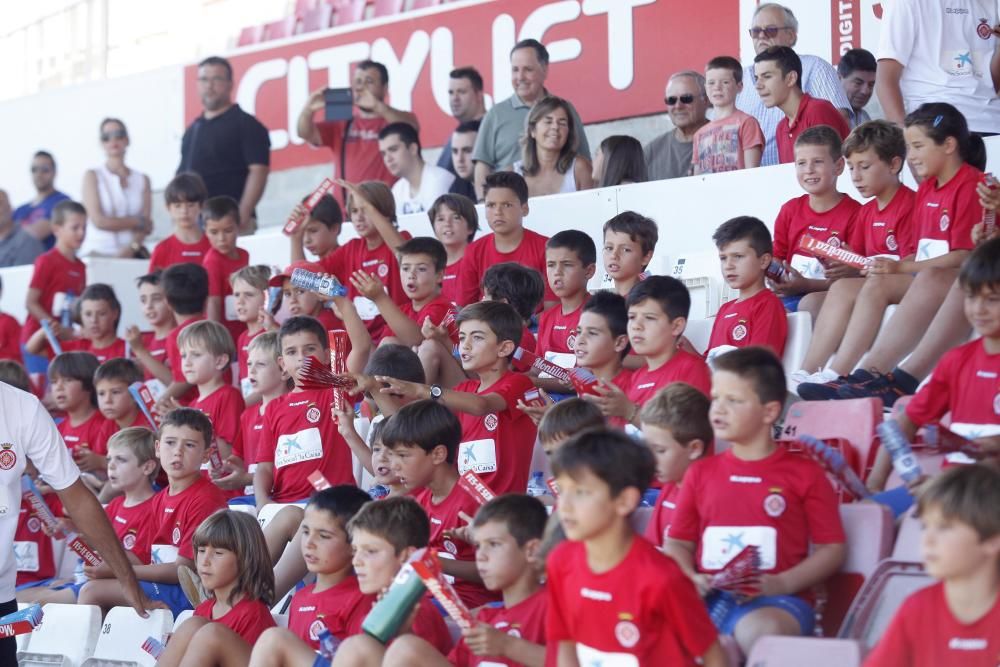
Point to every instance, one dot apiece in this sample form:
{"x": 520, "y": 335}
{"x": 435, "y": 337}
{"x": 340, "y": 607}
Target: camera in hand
{"x": 338, "y": 104}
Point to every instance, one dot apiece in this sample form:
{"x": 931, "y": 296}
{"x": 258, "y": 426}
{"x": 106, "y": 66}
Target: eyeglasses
{"x": 770, "y": 31}
{"x": 674, "y": 99}
{"x": 114, "y": 134}
{"x": 37, "y": 169}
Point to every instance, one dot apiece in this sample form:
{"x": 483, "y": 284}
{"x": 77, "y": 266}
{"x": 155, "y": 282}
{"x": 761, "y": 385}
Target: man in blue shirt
{"x": 34, "y": 216}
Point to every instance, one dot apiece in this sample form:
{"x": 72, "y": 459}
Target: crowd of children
{"x": 458, "y": 355}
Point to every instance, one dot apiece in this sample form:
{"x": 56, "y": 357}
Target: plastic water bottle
{"x": 899, "y": 449}
{"x": 66, "y": 316}
{"x": 327, "y": 643}
{"x": 536, "y": 485}
{"x": 775, "y": 271}
{"x": 314, "y": 282}
{"x": 79, "y": 578}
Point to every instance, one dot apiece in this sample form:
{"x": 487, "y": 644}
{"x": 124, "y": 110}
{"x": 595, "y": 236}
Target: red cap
{"x": 279, "y": 280}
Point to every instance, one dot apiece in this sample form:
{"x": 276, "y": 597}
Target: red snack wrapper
{"x": 533, "y": 397}
{"x": 21, "y": 622}
{"x": 153, "y": 647}
{"x": 741, "y": 575}
{"x": 553, "y": 487}
{"x": 319, "y": 482}
{"x": 989, "y": 217}
{"x": 829, "y": 251}
{"x": 293, "y": 224}
{"x": 584, "y": 381}
{"x": 80, "y": 548}
{"x": 144, "y": 399}
{"x": 215, "y": 457}
{"x": 941, "y": 440}
{"x": 428, "y": 568}
{"x": 40, "y": 509}
{"x": 541, "y": 365}
{"x": 833, "y": 462}
{"x": 475, "y": 487}
{"x": 338, "y": 363}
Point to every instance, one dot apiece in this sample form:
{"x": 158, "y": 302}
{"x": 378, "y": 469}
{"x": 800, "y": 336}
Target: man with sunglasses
{"x": 34, "y": 216}
{"x": 669, "y": 155}
{"x": 776, "y": 25}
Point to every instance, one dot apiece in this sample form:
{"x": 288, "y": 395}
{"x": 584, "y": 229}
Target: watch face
{"x": 436, "y": 391}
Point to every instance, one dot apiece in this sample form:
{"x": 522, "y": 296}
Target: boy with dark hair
{"x": 676, "y": 429}
{"x": 186, "y": 288}
{"x": 223, "y": 258}
{"x": 756, "y": 493}
{"x": 318, "y": 234}
{"x": 570, "y": 263}
{"x": 183, "y": 443}
{"x": 857, "y": 75}
{"x": 112, "y": 380}
{"x": 150, "y": 348}
{"x": 732, "y": 139}
{"x": 522, "y": 288}
{"x": 419, "y": 183}
{"x": 957, "y": 620}
{"x": 455, "y": 223}
{"x": 756, "y": 316}
{"x": 184, "y": 196}
{"x": 656, "y": 617}
{"x": 778, "y": 77}
{"x": 507, "y": 532}
{"x": 506, "y": 208}
{"x": 565, "y": 419}
{"x": 823, "y": 213}
{"x": 423, "y": 438}
{"x": 84, "y": 430}
{"x": 629, "y": 242}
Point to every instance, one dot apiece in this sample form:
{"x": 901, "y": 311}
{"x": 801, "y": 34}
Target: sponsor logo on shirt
{"x": 297, "y": 404}
{"x": 190, "y": 253}
{"x": 646, "y": 385}
{"x": 370, "y": 262}
{"x": 591, "y": 594}
{"x": 814, "y": 228}
{"x": 118, "y": 519}
{"x": 986, "y": 374}
{"x": 961, "y": 644}
{"x": 309, "y": 608}
{"x": 745, "y": 479}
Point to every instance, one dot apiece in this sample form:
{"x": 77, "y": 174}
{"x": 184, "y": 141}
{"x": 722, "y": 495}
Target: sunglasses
{"x": 115, "y": 134}
{"x": 770, "y": 31}
{"x": 674, "y": 99}
{"x": 41, "y": 170}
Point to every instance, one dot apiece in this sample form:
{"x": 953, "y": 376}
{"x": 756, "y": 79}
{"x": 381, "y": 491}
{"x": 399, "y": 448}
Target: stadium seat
{"x": 698, "y": 333}
{"x": 268, "y": 512}
{"x": 869, "y": 531}
{"x": 66, "y": 636}
{"x": 853, "y": 420}
{"x": 877, "y": 602}
{"x": 907, "y": 546}
{"x": 181, "y": 617}
{"x": 250, "y": 35}
{"x": 303, "y": 7}
{"x": 797, "y": 343}
{"x": 242, "y": 507}
{"x": 281, "y": 620}
{"x": 699, "y": 271}
{"x": 317, "y": 18}
{"x": 421, "y": 4}
{"x": 348, "y": 11}
{"x": 388, "y": 7}
{"x": 122, "y": 635}
{"x": 774, "y": 651}
{"x": 280, "y": 29}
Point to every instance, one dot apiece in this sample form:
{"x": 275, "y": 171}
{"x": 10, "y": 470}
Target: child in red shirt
{"x": 523, "y": 288}
{"x": 150, "y": 348}
{"x": 506, "y": 196}
{"x": 222, "y": 260}
{"x": 10, "y": 336}
{"x": 318, "y": 234}
{"x": 186, "y": 288}
{"x": 99, "y": 313}
{"x": 507, "y": 532}
{"x": 298, "y": 301}
{"x": 85, "y": 430}
{"x": 249, "y": 287}
{"x": 455, "y": 223}
{"x": 629, "y": 242}
{"x": 957, "y": 620}
{"x": 655, "y": 617}
{"x": 757, "y": 493}
{"x": 756, "y": 316}
{"x": 233, "y": 567}
{"x": 676, "y": 429}
{"x": 111, "y": 381}
{"x": 184, "y": 196}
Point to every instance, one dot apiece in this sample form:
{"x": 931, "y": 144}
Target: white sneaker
{"x": 802, "y": 376}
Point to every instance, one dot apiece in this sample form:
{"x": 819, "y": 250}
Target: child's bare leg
{"x": 831, "y": 323}
{"x": 45, "y": 595}
{"x": 764, "y": 621}
{"x": 105, "y": 593}
{"x": 215, "y": 644}
{"x": 412, "y": 651}
{"x": 290, "y": 568}
{"x": 281, "y": 530}
{"x": 278, "y": 647}
{"x": 359, "y": 651}
{"x": 812, "y": 303}
{"x": 875, "y": 296}
{"x": 440, "y": 366}
{"x": 913, "y": 317}
{"x": 180, "y": 641}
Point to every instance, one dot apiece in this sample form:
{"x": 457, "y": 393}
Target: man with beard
{"x": 669, "y": 155}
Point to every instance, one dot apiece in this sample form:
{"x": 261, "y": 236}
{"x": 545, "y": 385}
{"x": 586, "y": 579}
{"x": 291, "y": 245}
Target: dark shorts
{"x": 792, "y": 302}
{"x": 8, "y": 645}
{"x": 169, "y": 594}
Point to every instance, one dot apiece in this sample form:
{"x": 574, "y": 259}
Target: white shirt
{"x": 116, "y": 202}
{"x": 26, "y": 430}
{"x": 819, "y": 79}
{"x": 434, "y": 182}
{"x": 945, "y": 49}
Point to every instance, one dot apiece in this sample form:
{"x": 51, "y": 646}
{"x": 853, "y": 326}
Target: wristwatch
{"x": 436, "y": 392}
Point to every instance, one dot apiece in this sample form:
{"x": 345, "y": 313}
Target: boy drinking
{"x": 732, "y": 139}
{"x": 184, "y": 196}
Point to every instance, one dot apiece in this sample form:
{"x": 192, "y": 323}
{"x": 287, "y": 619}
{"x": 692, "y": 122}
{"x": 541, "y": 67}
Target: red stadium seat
{"x": 349, "y": 11}
{"x": 303, "y": 7}
{"x": 317, "y": 18}
{"x": 854, "y": 420}
{"x": 876, "y": 604}
{"x": 775, "y": 651}
{"x": 280, "y": 29}
{"x": 388, "y": 7}
{"x": 907, "y": 546}
{"x": 250, "y": 35}
{"x": 421, "y": 4}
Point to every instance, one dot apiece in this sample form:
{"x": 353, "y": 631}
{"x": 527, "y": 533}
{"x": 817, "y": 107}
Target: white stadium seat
{"x": 181, "y": 617}
{"x": 797, "y": 343}
{"x": 66, "y": 637}
{"x": 698, "y": 332}
{"x": 773, "y": 651}
{"x": 268, "y": 512}
{"x": 122, "y": 635}
{"x": 907, "y": 546}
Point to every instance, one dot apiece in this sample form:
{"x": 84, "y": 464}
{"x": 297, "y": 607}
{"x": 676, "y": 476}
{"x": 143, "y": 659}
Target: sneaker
{"x": 889, "y": 387}
{"x": 190, "y": 582}
{"x": 822, "y": 391}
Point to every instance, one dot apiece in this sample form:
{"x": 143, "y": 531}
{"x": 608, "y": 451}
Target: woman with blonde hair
{"x": 550, "y": 163}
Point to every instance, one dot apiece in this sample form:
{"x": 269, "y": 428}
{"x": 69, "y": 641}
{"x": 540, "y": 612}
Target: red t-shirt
{"x": 498, "y": 446}
{"x": 93, "y": 432}
{"x": 248, "y": 618}
{"x": 429, "y": 625}
{"x": 380, "y": 262}
{"x": 54, "y": 277}
{"x": 797, "y": 219}
{"x": 10, "y": 338}
{"x": 781, "y": 503}
{"x": 943, "y": 217}
{"x": 682, "y": 367}
{"x": 114, "y": 351}
{"x": 243, "y": 351}
{"x": 525, "y": 620}
{"x": 177, "y": 516}
{"x": 300, "y": 437}
{"x": 341, "y": 608}
{"x": 924, "y": 633}
{"x": 219, "y": 268}
{"x": 362, "y": 160}
{"x": 759, "y": 320}
{"x": 445, "y": 516}
{"x": 33, "y": 554}
{"x": 223, "y": 407}
{"x": 965, "y": 382}
{"x": 437, "y": 310}
{"x": 482, "y": 253}
{"x": 663, "y": 513}
{"x": 643, "y": 607}
{"x": 887, "y": 231}
{"x": 450, "y": 282}
{"x": 157, "y": 348}
{"x": 133, "y": 525}
{"x": 174, "y": 359}
{"x": 172, "y": 250}
{"x": 812, "y": 112}
{"x": 248, "y": 438}
{"x": 557, "y": 335}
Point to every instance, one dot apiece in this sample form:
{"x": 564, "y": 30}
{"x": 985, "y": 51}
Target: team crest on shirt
{"x": 984, "y": 30}
{"x": 129, "y": 540}
{"x": 313, "y": 414}
{"x": 571, "y": 341}
{"x": 383, "y": 270}
{"x": 315, "y": 628}
{"x": 775, "y": 504}
{"x": 740, "y": 330}
{"x": 834, "y": 240}
{"x": 890, "y": 242}
{"x": 8, "y": 458}
{"x": 176, "y": 535}
{"x": 34, "y": 525}
{"x": 945, "y": 220}
{"x": 490, "y": 421}
{"x": 450, "y": 547}
{"x": 627, "y": 633}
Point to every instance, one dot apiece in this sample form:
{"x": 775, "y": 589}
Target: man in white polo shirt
{"x": 27, "y": 432}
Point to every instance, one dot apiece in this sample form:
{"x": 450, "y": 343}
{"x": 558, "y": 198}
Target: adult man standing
{"x": 28, "y": 433}
{"x": 34, "y": 216}
{"x": 419, "y": 183}
{"x": 857, "y": 74}
{"x": 499, "y": 142}
{"x": 465, "y": 96}
{"x": 17, "y": 247}
{"x": 776, "y": 25}
{"x": 354, "y": 142}
{"x": 669, "y": 155}
{"x": 226, "y": 146}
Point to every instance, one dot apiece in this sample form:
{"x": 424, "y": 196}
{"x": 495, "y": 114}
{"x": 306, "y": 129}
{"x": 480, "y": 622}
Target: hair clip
{"x": 937, "y": 120}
